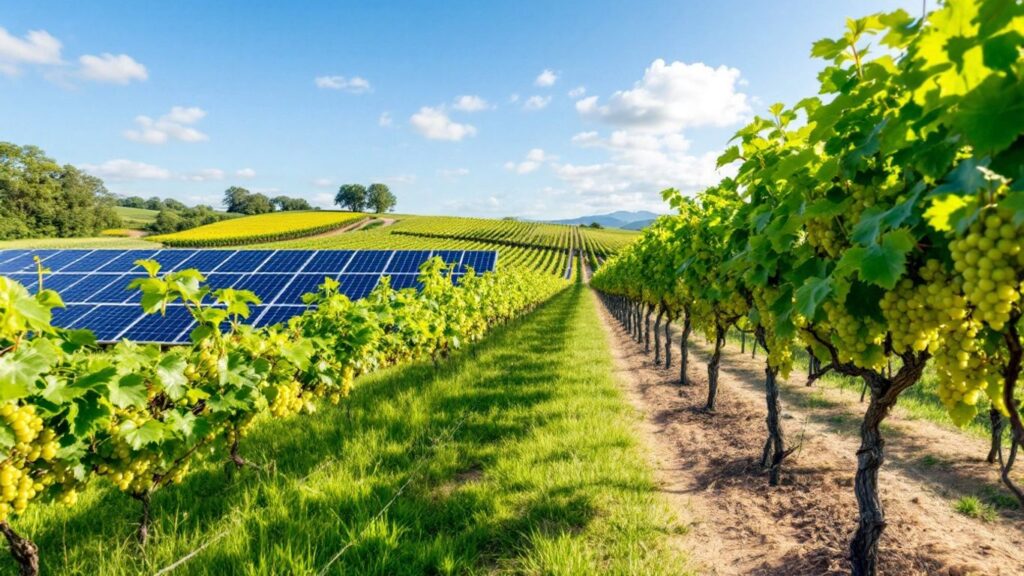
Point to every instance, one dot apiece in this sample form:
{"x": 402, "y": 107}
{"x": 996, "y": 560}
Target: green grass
{"x": 973, "y": 507}
{"x": 76, "y": 243}
{"x": 135, "y": 217}
{"x": 516, "y": 456}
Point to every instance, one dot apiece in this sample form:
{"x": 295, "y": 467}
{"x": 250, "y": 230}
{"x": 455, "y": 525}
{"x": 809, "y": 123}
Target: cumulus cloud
{"x": 434, "y": 124}
{"x": 638, "y": 167}
{"x": 175, "y": 125}
{"x": 245, "y": 173}
{"x": 469, "y": 103}
{"x": 577, "y": 92}
{"x": 673, "y": 97}
{"x": 546, "y": 78}
{"x": 354, "y": 85}
{"x": 37, "y": 47}
{"x": 534, "y": 159}
{"x": 384, "y": 120}
{"x": 536, "y": 102}
{"x": 121, "y": 169}
{"x": 111, "y": 68}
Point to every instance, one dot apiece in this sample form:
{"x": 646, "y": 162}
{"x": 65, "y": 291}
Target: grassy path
{"x": 517, "y": 456}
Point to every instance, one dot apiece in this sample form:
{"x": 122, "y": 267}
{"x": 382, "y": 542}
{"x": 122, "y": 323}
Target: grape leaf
{"x": 992, "y": 115}
{"x": 883, "y": 264}
{"x": 20, "y": 370}
{"x": 1014, "y": 202}
{"x": 151, "y": 432}
{"x": 812, "y": 294}
{"x": 170, "y": 375}
{"x": 129, "y": 390}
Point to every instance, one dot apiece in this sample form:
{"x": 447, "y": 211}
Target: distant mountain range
{"x": 621, "y": 219}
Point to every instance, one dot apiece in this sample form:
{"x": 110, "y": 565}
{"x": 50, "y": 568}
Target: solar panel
{"x": 93, "y": 283}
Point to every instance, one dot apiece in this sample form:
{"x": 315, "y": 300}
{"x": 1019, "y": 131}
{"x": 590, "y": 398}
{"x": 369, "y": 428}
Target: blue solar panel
{"x": 402, "y": 281}
{"x": 156, "y": 328}
{"x": 107, "y": 321}
{"x": 88, "y": 286}
{"x": 21, "y": 263}
{"x": 219, "y": 280}
{"x": 301, "y": 284}
{"x": 357, "y": 286}
{"x": 407, "y": 262}
{"x": 93, "y": 283}
{"x": 266, "y": 286}
{"x": 245, "y": 261}
{"x": 117, "y": 291}
{"x": 479, "y": 261}
{"x": 204, "y": 260}
{"x": 369, "y": 261}
{"x": 329, "y": 262}
{"x": 66, "y": 316}
{"x": 270, "y": 315}
{"x": 171, "y": 259}
{"x": 90, "y": 262}
{"x": 451, "y": 257}
{"x": 287, "y": 261}
{"x": 126, "y": 261}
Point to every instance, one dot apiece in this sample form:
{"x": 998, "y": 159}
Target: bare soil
{"x": 707, "y": 466}
{"x": 354, "y": 227}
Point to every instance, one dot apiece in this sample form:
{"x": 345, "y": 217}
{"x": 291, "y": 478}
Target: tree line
{"x": 41, "y": 198}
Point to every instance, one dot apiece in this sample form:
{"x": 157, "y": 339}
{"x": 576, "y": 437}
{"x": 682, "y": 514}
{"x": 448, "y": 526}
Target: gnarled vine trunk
{"x": 24, "y": 551}
{"x": 684, "y": 351}
{"x": 647, "y": 328}
{"x": 716, "y": 359}
{"x": 774, "y": 447}
{"x": 657, "y": 335}
{"x": 144, "y": 519}
{"x": 995, "y": 419}
{"x": 870, "y": 456}
{"x": 668, "y": 341}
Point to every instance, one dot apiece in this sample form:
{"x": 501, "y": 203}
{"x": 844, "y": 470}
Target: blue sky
{"x": 566, "y": 108}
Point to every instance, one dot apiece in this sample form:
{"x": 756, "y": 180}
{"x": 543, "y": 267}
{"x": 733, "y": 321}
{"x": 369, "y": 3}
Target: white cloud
{"x": 453, "y": 173}
{"x": 205, "y": 175}
{"x": 37, "y": 47}
{"x": 546, "y": 78}
{"x": 469, "y": 103}
{"x": 534, "y": 159}
{"x": 115, "y": 69}
{"x": 398, "y": 179}
{"x": 577, "y": 92}
{"x": 121, "y": 169}
{"x": 672, "y": 97}
{"x": 513, "y": 98}
{"x": 175, "y": 125}
{"x": 536, "y": 102}
{"x": 323, "y": 200}
{"x": 434, "y": 124}
{"x": 323, "y": 183}
{"x": 355, "y": 84}
{"x": 639, "y": 166}
{"x": 384, "y": 120}
{"x": 245, "y": 173}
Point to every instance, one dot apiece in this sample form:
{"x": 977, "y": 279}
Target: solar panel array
{"x": 93, "y": 283}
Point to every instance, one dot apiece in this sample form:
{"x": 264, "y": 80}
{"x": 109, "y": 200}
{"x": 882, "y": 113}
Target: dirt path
{"x": 355, "y": 227}
{"x": 707, "y": 468}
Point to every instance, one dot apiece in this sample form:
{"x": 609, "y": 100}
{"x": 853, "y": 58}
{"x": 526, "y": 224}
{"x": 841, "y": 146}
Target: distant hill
{"x": 621, "y": 219}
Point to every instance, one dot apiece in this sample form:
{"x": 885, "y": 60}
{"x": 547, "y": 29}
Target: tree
{"x": 132, "y": 202}
{"x": 287, "y": 203}
{"x": 351, "y": 197}
{"x": 595, "y": 225}
{"x": 154, "y": 203}
{"x": 39, "y": 197}
{"x": 234, "y": 199}
{"x": 166, "y": 222}
{"x": 380, "y": 198}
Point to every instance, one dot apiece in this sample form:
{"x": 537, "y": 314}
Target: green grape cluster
{"x": 989, "y": 258}
{"x": 20, "y": 481}
{"x": 288, "y": 399}
{"x": 780, "y": 352}
{"x": 857, "y": 339}
{"x": 967, "y": 372}
{"x": 917, "y": 312}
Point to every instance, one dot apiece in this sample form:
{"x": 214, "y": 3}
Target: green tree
{"x": 287, "y": 203}
{"x": 352, "y": 197}
{"x": 154, "y": 203}
{"x": 380, "y": 198}
{"x": 235, "y": 198}
{"x": 132, "y": 202}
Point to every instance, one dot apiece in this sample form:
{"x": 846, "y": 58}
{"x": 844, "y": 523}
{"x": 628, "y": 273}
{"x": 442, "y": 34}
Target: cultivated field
{"x": 260, "y": 228}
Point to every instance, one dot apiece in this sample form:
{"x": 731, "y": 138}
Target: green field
{"x": 516, "y": 456}
{"x": 135, "y": 217}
